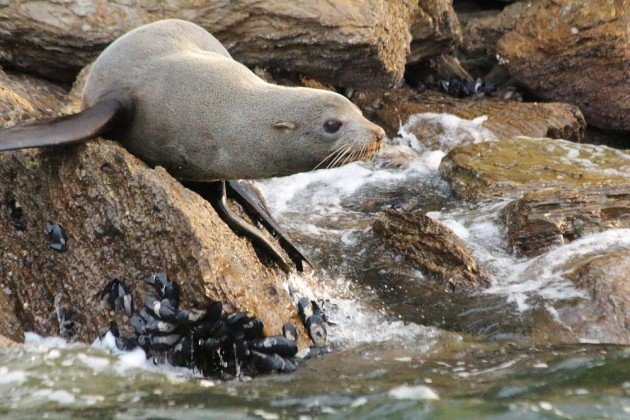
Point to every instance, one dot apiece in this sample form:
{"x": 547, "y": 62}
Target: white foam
{"x": 444, "y": 131}
{"x": 61, "y": 396}
{"x": 16, "y": 377}
{"x": 417, "y": 392}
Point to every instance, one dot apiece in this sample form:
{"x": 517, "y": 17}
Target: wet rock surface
{"x": 515, "y": 166}
{"x": 580, "y": 58}
{"x": 543, "y": 219}
{"x": 122, "y": 220}
{"x": 505, "y": 118}
{"x": 433, "y": 248}
{"x": 603, "y": 314}
{"x": 349, "y": 43}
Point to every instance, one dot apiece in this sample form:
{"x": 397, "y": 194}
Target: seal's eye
{"x": 332, "y": 126}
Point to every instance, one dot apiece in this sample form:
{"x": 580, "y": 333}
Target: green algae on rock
{"x": 515, "y": 166}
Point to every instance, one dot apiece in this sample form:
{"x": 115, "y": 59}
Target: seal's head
{"x": 322, "y": 129}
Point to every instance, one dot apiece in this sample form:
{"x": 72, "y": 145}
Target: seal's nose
{"x": 379, "y": 133}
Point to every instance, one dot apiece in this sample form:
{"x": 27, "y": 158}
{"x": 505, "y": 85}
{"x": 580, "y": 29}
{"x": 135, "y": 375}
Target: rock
{"x": 434, "y": 29}
{"x": 580, "y": 58}
{"x": 545, "y": 218}
{"x": 515, "y": 166}
{"x": 433, "y": 248}
{"x": 10, "y": 327}
{"x": 481, "y": 30}
{"x": 350, "y": 43}
{"x": 603, "y": 316}
{"x": 23, "y": 96}
{"x": 6, "y": 345}
{"x": 123, "y": 220}
{"x": 505, "y": 118}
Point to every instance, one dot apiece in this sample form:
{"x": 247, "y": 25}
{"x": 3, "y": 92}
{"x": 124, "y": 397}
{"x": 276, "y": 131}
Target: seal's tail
{"x": 89, "y": 123}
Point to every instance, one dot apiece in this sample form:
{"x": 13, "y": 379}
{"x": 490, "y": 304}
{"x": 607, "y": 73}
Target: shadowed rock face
{"x": 574, "y": 51}
{"x": 434, "y": 29}
{"x": 433, "y": 248}
{"x": 348, "y": 43}
{"x": 480, "y": 32}
{"x": 123, "y": 220}
{"x": 542, "y": 219}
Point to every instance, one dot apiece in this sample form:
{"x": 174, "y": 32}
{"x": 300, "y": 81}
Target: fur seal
{"x": 173, "y": 96}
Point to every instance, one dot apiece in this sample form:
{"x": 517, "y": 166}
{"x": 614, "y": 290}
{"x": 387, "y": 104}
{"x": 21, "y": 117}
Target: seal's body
{"x": 173, "y": 96}
{"x": 204, "y": 116}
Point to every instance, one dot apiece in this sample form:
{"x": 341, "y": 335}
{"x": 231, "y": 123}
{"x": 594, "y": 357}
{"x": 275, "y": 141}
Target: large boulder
{"x": 434, "y": 29}
{"x": 574, "y": 51}
{"x": 550, "y": 217}
{"x": 433, "y": 248}
{"x": 123, "y": 220}
{"x": 357, "y": 43}
{"x": 515, "y": 166}
{"x": 506, "y": 119}
{"x": 481, "y": 30}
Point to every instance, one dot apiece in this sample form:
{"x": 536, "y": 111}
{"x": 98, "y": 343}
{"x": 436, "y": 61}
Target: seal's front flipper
{"x": 102, "y": 117}
{"x": 215, "y": 193}
{"x": 245, "y": 195}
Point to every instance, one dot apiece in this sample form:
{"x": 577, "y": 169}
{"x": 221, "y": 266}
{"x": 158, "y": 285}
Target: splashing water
{"x": 386, "y": 362}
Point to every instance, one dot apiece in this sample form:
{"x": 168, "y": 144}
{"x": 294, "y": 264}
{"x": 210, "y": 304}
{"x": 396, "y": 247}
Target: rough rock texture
{"x": 348, "y": 43}
{"x": 9, "y": 324}
{"x": 542, "y": 219}
{"x": 435, "y": 29}
{"x": 505, "y": 118}
{"x": 481, "y": 30}
{"x": 24, "y": 97}
{"x": 604, "y": 315}
{"x": 6, "y": 345}
{"x": 124, "y": 220}
{"x": 575, "y": 51}
{"x": 512, "y": 167}
{"x": 433, "y": 248}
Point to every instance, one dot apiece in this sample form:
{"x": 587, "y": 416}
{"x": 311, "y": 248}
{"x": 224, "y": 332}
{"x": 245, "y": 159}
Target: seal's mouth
{"x": 350, "y": 153}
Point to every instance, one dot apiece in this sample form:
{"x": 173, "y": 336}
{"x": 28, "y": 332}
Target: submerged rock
{"x": 603, "y": 314}
{"x": 505, "y": 118}
{"x": 574, "y": 51}
{"x": 542, "y": 219}
{"x": 512, "y": 167}
{"x": 346, "y": 43}
{"x": 433, "y": 248}
{"x": 123, "y": 220}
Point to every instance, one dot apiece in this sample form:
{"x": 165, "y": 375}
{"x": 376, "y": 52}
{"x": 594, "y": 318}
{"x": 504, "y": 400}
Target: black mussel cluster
{"x": 16, "y": 216}
{"x": 57, "y": 237}
{"x": 462, "y": 88}
{"x": 117, "y": 296}
{"x": 215, "y": 343}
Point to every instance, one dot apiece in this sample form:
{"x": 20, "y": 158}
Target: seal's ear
{"x": 285, "y": 125}
{"x": 64, "y": 130}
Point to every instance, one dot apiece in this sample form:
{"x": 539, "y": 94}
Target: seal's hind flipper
{"x": 215, "y": 193}
{"x": 243, "y": 193}
{"x": 73, "y": 128}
